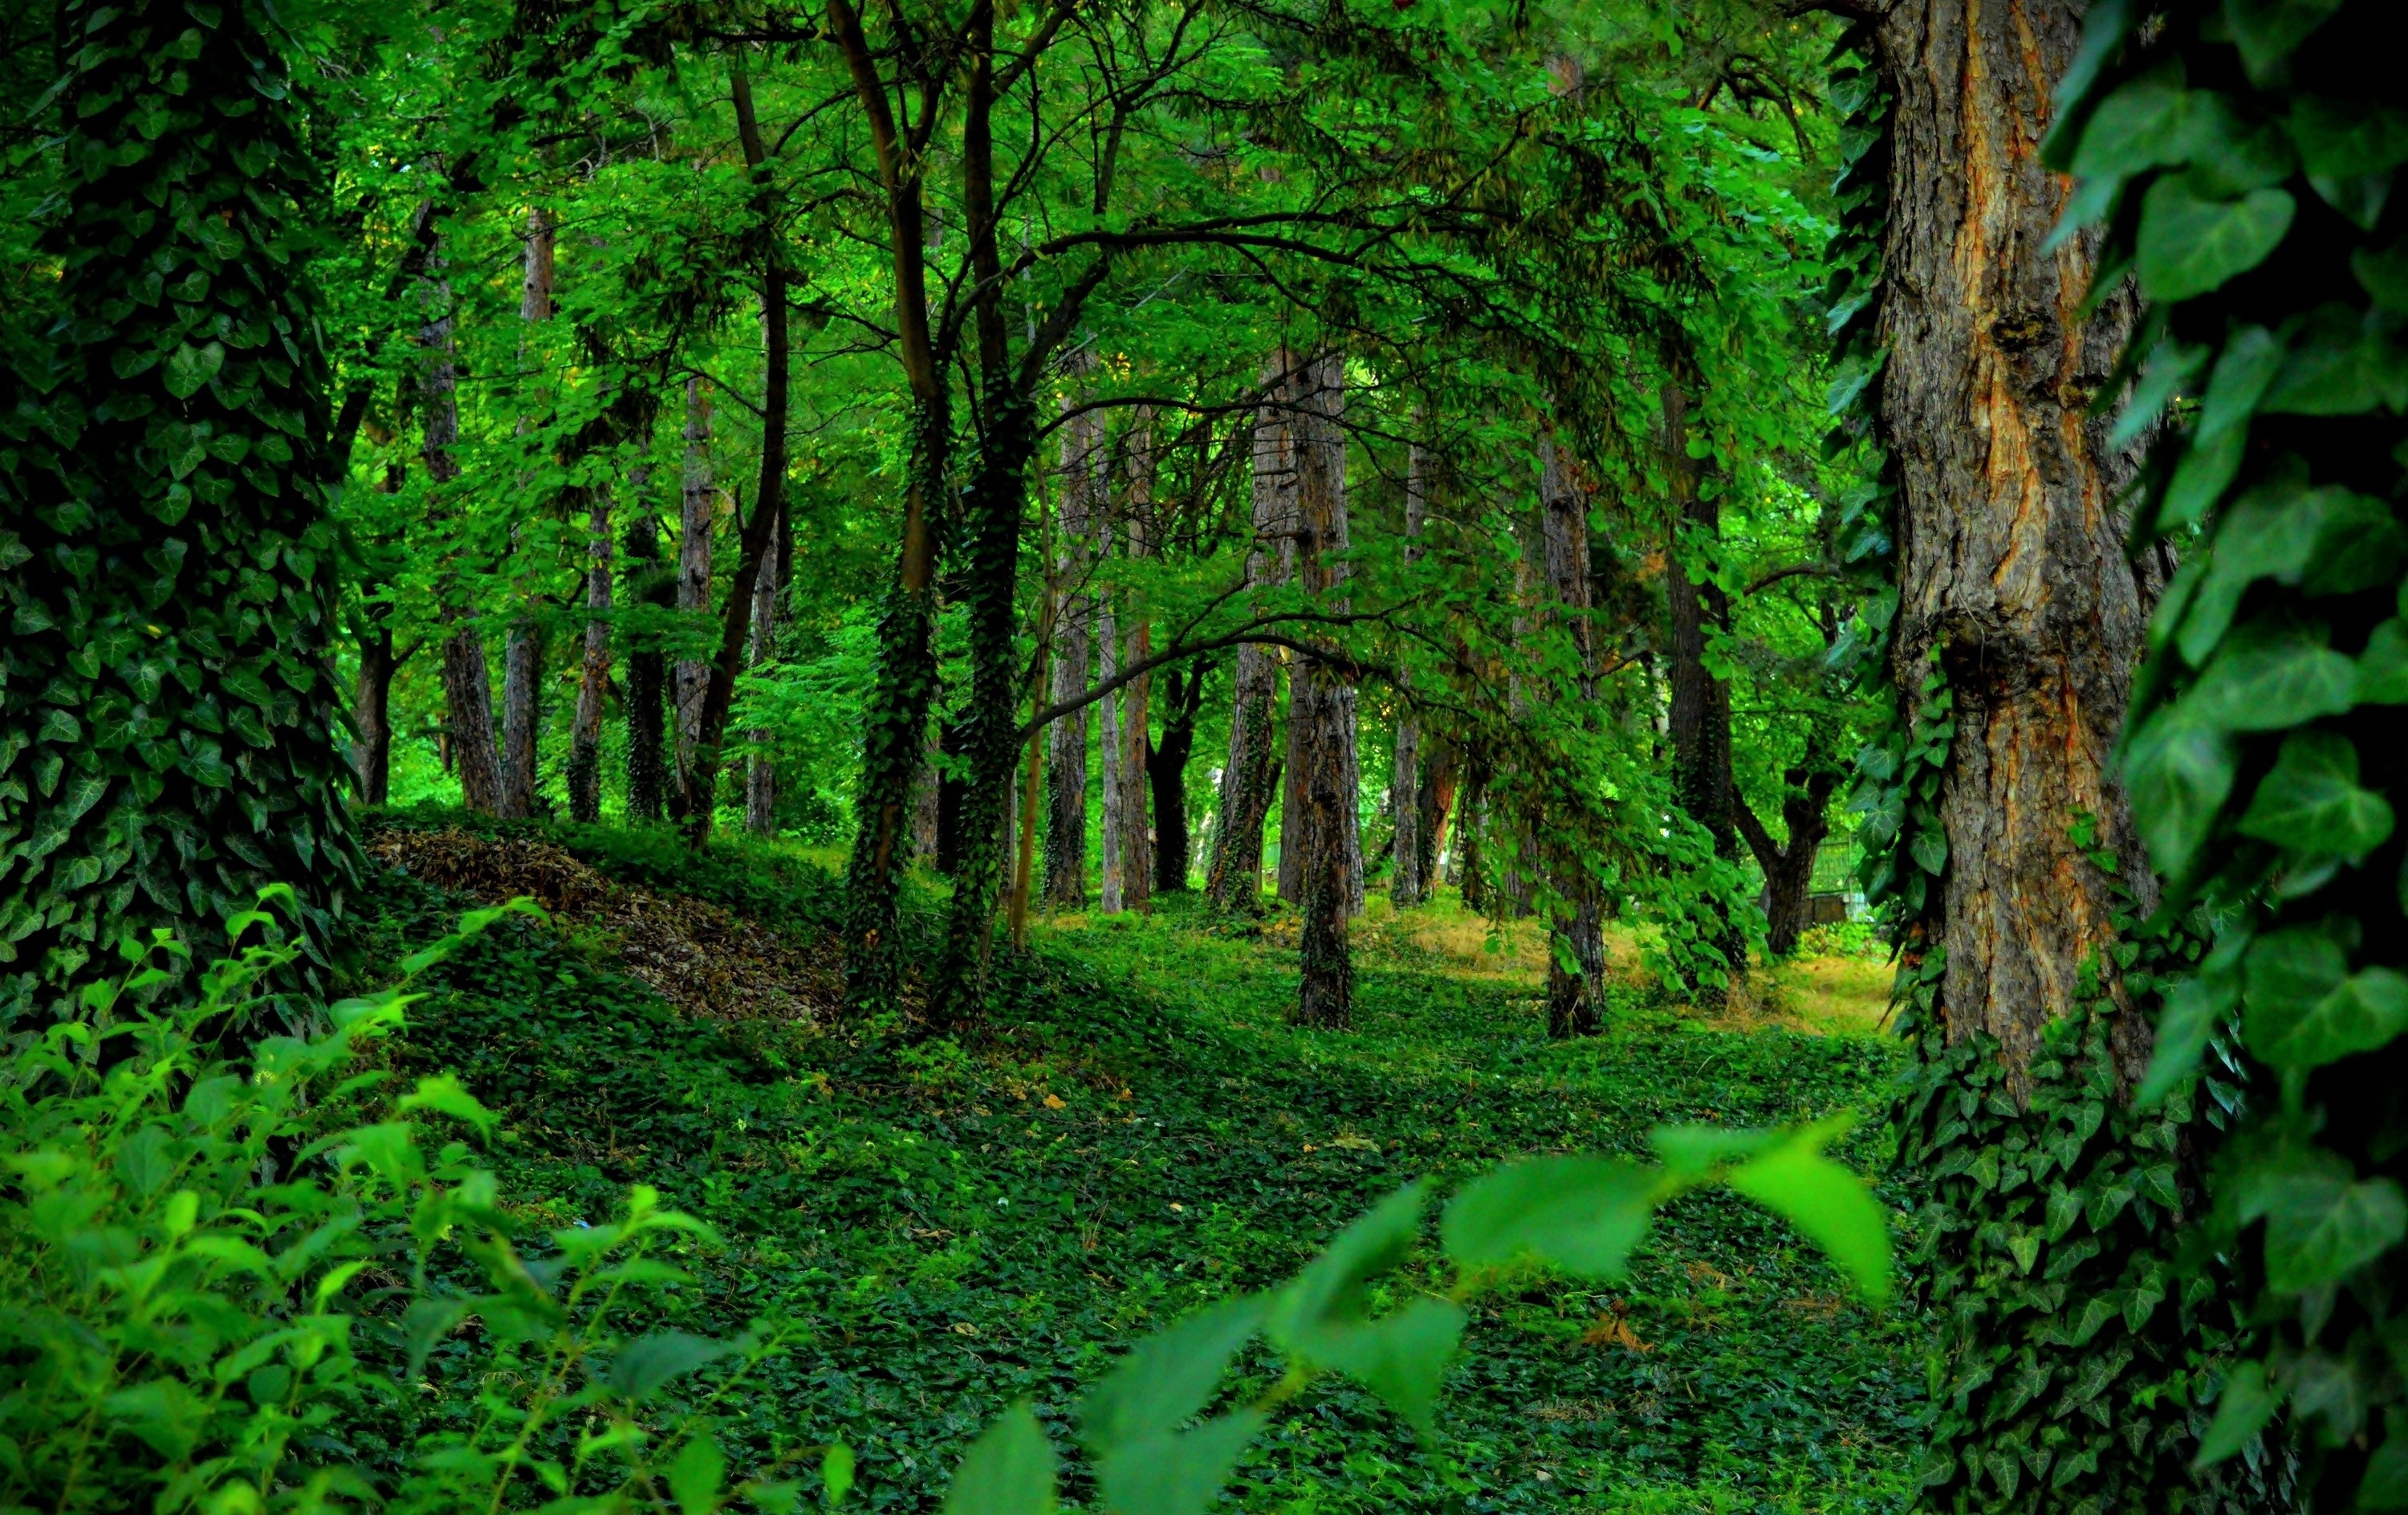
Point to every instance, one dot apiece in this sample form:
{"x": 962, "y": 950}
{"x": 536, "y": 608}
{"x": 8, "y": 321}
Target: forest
{"x": 1181, "y": 755}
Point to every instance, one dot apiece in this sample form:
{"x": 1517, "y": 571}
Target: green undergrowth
{"x": 954, "y": 1225}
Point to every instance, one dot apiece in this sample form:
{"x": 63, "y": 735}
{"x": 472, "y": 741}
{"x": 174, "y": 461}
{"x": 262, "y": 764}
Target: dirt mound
{"x": 699, "y": 957}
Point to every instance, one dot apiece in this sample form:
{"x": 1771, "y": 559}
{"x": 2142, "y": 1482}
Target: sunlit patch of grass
{"x": 1845, "y": 995}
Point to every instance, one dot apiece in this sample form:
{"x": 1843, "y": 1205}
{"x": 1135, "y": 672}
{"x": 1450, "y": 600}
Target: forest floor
{"x": 943, "y": 1229}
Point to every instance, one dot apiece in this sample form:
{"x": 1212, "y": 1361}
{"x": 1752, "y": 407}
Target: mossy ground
{"x": 949, "y": 1226}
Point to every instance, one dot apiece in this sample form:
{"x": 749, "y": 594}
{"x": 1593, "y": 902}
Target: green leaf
{"x": 695, "y": 1477}
{"x": 2349, "y": 148}
{"x": 1170, "y": 1377}
{"x": 1691, "y": 1152}
{"x": 1180, "y": 1474}
{"x": 2383, "y": 667}
{"x": 2385, "y": 1483}
{"x": 2320, "y": 1226}
{"x": 2340, "y": 363}
{"x": 1826, "y": 1202}
{"x": 189, "y": 367}
{"x": 1008, "y": 1471}
{"x": 2242, "y": 1410}
{"x": 2267, "y": 31}
{"x": 2197, "y": 1007}
{"x": 648, "y": 1364}
{"x": 1402, "y": 1357}
{"x": 836, "y": 1472}
{"x": 443, "y": 1094}
{"x": 2286, "y": 677}
{"x": 2189, "y": 244}
{"x": 1581, "y": 1215}
{"x": 1329, "y": 1292}
{"x": 2179, "y": 772}
{"x": 2137, "y": 128}
{"x": 427, "y": 1321}
{"x": 2304, "y": 1007}
{"x": 2310, "y": 802}
{"x": 2383, "y": 274}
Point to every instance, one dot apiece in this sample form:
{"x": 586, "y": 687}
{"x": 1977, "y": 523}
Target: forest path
{"x": 956, "y": 1225}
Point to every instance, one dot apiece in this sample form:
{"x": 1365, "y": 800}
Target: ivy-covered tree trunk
{"x": 1699, "y": 720}
{"x": 169, "y": 741}
{"x": 1251, "y": 776}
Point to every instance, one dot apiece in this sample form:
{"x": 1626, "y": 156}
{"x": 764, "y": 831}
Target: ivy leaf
{"x": 647, "y": 1364}
{"x": 2383, "y": 668}
{"x": 2349, "y": 148}
{"x": 2311, "y": 802}
{"x": 1008, "y": 1471}
{"x": 2383, "y": 274}
{"x": 2193, "y": 1011}
{"x": 1329, "y": 1292}
{"x": 2267, "y": 31}
{"x": 2242, "y": 1410}
{"x": 2137, "y": 128}
{"x": 695, "y": 1478}
{"x": 189, "y": 367}
{"x": 2179, "y": 770}
{"x": 2340, "y": 364}
{"x": 2283, "y": 677}
{"x": 2190, "y": 244}
{"x": 2305, "y": 1008}
{"x": 1580, "y": 1213}
{"x": 2251, "y": 358}
{"x": 2321, "y": 1225}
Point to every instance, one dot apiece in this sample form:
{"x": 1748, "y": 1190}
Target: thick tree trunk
{"x": 760, "y": 773}
{"x": 1436, "y": 804}
{"x": 585, "y": 732}
{"x": 1166, "y": 771}
{"x": 2009, "y": 538}
{"x": 697, "y": 508}
{"x": 1324, "y": 827}
{"x": 1066, "y": 739}
{"x": 467, "y": 688}
{"x": 1576, "y": 963}
{"x": 652, "y": 585}
{"x": 927, "y": 805}
{"x": 1789, "y": 870}
{"x": 1699, "y": 721}
{"x": 1251, "y": 776}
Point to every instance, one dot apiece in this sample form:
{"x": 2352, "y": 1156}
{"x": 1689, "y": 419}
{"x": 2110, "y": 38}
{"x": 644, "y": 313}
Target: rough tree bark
{"x": 585, "y": 730}
{"x": 1406, "y": 885}
{"x": 697, "y": 508}
{"x": 1699, "y": 721}
{"x": 1324, "y": 827}
{"x": 523, "y": 649}
{"x": 760, "y": 774}
{"x": 2010, "y": 539}
{"x": 467, "y": 688}
{"x": 652, "y": 585}
{"x": 1576, "y": 932}
{"x": 1066, "y": 739}
{"x": 1250, "y": 777}
{"x": 1137, "y": 723}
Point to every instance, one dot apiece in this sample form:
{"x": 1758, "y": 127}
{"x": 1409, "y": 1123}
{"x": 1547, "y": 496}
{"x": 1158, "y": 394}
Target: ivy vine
{"x": 2242, "y": 156}
{"x": 167, "y": 716}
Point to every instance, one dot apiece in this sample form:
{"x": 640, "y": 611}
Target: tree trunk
{"x": 1113, "y": 749}
{"x": 585, "y": 732}
{"x": 1699, "y": 722}
{"x": 650, "y": 584}
{"x": 760, "y": 773}
{"x": 1250, "y": 778}
{"x": 467, "y": 688}
{"x": 1328, "y": 842}
{"x": 953, "y": 784}
{"x": 2010, "y": 535}
{"x": 1166, "y": 771}
{"x": 523, "y": 650}
{"x": 1789, "y": 871}
{"x": 927, "y": 805}
{"x": 1066, "y": 746}
{"x": 372, "y": 716}
{"x": 1137, "y": 839}
{"x": 1576, "y": 962}
{"x": 697, "y": 508}
{"x": 1436, "y": 803}
{"x": 1405, "y": 878}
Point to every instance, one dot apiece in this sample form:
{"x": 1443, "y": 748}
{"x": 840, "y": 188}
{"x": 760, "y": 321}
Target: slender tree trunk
{"x": 651, "y": 584}
{"x": 372, "y": 715}
{"x": 1321, "y": 706}
{"x": 2010, "y": 531}
{"x": 523, "y": 650}
{"x": 1113, "y": 750}
{"x": 1576, "y": 963}
{"x": 1437, "y": 806}
{"x": 1251, "y": 776}
{"x": 1166, "y": 770}
{"x": 1700, "y": 706}
{"x": 952, "y": 786}
{"x": 1471, "y": 827}
{"x": 760, "y": 774}
{"x": 1066, "y": 754}
{"x": 585, "y": 732}
{"x": 697, "y": 508}
{"x": 1405, "y": 878}
{"x": 1789, "y": 870}
{"x": 927, "y": 804}
{"x": 467, "y": 688}
{"x": 1137, "y": 840}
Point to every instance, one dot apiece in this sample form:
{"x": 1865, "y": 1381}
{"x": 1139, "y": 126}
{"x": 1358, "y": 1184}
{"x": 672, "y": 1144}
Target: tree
{"x": 167, "y": 699}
